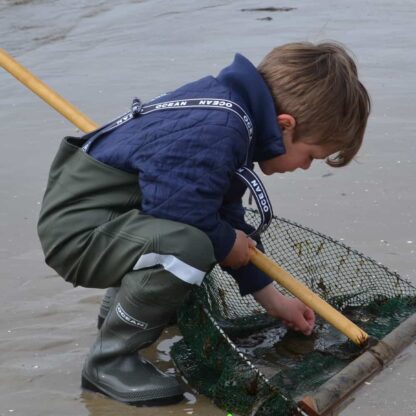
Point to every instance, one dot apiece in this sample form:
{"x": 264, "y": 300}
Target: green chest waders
{"x": 94, "y": 235}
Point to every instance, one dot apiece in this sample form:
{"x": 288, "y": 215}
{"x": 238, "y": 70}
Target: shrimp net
{"x": 250, "y": 364}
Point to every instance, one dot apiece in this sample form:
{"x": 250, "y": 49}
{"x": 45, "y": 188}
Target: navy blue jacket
{"x": 186, "y": 158}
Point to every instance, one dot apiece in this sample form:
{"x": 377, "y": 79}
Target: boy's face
{"x": 299, "y": 154}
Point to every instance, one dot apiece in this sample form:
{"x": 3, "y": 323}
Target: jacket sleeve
{"x": 249, "y": 278}
{"x": 189, "y": 177}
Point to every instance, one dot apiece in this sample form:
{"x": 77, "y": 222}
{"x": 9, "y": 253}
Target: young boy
{"x": 151, "y": 202}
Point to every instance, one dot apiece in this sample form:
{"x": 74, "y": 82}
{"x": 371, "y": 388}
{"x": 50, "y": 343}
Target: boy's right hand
{"x": 239, "y": 255}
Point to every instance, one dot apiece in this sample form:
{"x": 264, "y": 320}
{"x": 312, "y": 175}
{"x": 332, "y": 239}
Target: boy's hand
{"x": 240, "y": 253}
{"x": 298, "y": 316}
{"x": 291, "y": 311}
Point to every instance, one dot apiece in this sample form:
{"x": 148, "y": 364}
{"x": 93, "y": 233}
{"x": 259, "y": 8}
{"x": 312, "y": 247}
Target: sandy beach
{"x": 99, "y": 55}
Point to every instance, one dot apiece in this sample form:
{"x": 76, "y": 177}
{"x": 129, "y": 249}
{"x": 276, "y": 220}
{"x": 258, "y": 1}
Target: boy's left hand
{"x": 298, "y": 316}
{"x": 291, "y": 311}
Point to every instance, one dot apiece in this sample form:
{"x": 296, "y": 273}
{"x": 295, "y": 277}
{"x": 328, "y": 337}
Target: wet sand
{"x": 99, "y": 57}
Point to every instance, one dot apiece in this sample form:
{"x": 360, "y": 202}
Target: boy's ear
{"x": 286, "y": 121}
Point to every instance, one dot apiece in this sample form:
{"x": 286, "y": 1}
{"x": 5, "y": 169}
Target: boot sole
{"x": 163, "y": 401}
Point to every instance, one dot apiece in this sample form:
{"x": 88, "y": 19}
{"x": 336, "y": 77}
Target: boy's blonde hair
{"x": 318, "y": 85}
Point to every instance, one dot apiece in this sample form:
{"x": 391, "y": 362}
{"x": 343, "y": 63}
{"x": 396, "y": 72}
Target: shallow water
{"x": 100, "y": 54}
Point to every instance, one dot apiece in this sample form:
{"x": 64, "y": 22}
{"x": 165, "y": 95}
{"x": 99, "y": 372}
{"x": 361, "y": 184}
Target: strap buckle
{"x": 136, "y": 107}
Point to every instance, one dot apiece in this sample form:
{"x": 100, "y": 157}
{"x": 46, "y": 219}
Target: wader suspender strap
{"x": 245, "y": 174}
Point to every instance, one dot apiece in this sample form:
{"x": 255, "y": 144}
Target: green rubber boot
{"x": 114, "y": 367}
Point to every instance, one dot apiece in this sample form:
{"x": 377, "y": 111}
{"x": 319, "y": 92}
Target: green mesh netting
{"x": 247, "y": 362}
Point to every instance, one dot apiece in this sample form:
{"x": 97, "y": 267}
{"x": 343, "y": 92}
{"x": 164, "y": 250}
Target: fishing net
{"x": 250, "y": 364}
